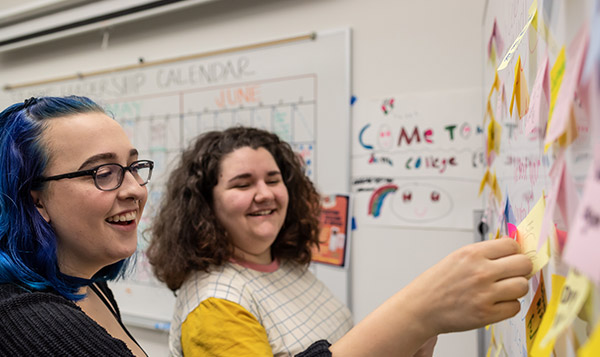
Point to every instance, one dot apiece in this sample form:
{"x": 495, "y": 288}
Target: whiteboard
{"x": 416, "y": 158}
{"x": 300, "y": 90}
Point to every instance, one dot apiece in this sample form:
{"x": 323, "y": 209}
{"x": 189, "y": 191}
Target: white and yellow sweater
{"x": 255, "y": 310}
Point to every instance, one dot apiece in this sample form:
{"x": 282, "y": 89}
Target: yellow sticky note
{"x": 535, "y": 313}
{"x": 570, "y": 134}
{"x": 516, "y": 85}
{"x": 484, "y": 180}
{"x": 587, "y": 312}
{"x": 496, "y": 188}
{"x": 499, "y": 349}
{"x": 515, "y": 45}
{"x": 520, "y": 94}
{"x": 493, "y": 55}
{"x": 574, "y": 293}
{"x": 536, "y": 349}
{"x": 528, "y": 235}
{"x": 489, "y": 111}
{"x": 592, "y": 347}
{"x": 556, "y": 76}
{"x": 541, "y": 27}
{"x": 492, "y": 342}
{"x": 495, "y": 85}
{"x": 494, "y": 131}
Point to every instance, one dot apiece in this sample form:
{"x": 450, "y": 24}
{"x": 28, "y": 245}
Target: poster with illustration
{"x": 333, "y": 236}
{"x": 417, "y": 159}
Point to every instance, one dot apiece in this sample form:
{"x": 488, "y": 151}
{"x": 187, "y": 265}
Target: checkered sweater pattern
{"x": 294, "y": 307}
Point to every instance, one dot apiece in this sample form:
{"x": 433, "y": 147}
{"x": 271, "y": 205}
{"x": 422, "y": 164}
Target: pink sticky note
{"x": 564, "y": 101}
{"x": 561, "y": 237}
{"x": 583, "y": 242}
{"x": 540, "y": 98}
{"x": 495, "y": 36}
{"x": 589, "y": 92}
{"x": 568, "y": 198}
{"x": 512, "y": 230}
{"x": 491, "y": 40}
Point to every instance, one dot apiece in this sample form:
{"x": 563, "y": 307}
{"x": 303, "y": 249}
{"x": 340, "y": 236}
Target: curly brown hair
{"x": 186, "y": 235}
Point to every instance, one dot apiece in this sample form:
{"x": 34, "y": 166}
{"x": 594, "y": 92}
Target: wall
{"x": 398, "y": 46}
{"x": 533, "y": 193}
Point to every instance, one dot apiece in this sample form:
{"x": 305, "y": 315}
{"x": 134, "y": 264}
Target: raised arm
{"x": 470, "y": 288}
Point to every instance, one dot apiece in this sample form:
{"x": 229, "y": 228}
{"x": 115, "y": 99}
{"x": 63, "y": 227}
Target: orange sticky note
{"x": 496, "y": 188}
{"x": 495, "y": 86}
{"x": 536, "y": 312}
{"x": 484, "y": 180}
{"x": 571, "y": 131}
{"x": 544, "y": 351}
{"x": 494, "y": 131}
{"x": 520, "y": 94}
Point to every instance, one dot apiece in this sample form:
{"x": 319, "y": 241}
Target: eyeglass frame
{"x": 93, "y": 171}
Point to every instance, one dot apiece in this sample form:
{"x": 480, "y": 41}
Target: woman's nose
{"x": 263, "y": 192}
{"x": 131, "y": 188}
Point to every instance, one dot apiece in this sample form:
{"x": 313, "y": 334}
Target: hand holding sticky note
{"x": 528, "y": 234}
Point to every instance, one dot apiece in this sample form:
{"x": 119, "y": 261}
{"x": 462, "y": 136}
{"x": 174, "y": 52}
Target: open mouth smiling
{"x": 262, "y": 213}
{"x": 123, "y": 219}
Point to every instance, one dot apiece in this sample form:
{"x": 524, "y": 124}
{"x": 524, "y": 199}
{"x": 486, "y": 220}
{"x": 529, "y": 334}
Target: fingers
{"x": 510, "y": 289}
{"x": 504, "y": 310}
{"x": 498, "y": 248}
{"x": 512, "y": 266}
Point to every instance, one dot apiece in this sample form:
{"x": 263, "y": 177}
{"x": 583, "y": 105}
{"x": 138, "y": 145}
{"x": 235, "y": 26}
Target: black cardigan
{"x": 36, "y": 323}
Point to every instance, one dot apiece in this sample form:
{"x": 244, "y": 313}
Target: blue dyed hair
{"x": 27, "y": 242}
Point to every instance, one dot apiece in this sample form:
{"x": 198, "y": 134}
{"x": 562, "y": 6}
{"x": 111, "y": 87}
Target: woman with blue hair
{"x": 72, "y": 192}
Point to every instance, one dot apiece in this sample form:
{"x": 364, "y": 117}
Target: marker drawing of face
{"x": 419, "y": 202}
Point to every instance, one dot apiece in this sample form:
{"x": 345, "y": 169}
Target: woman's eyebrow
{"x": 97, "y": 158}
{"x": 239, "y": 177}
{"x": 103, "y": 157}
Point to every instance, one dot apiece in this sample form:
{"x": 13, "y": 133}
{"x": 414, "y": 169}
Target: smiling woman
{"x": 234, "y": 237}
{"x": 72, "y": 191}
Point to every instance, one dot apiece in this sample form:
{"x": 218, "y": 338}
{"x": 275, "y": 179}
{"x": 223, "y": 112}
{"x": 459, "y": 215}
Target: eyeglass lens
{"x": 110, "y": 176}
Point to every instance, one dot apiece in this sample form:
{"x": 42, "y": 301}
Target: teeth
{"x": 130, "y": 216}
{"x": 262, "y": 213}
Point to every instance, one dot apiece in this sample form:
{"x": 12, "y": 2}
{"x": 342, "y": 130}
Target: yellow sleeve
{"x": 219, "y": 327}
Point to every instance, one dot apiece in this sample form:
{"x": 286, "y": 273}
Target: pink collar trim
{"x": 265, "y": 268}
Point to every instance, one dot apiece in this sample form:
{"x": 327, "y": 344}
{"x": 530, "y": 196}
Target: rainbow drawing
{"x": 377, "y": 199}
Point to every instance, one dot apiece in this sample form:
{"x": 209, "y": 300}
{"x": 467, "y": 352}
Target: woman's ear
{"x": 39, "y": 204}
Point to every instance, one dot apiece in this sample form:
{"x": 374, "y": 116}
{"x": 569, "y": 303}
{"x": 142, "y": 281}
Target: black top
{"x": 44, "y": 323}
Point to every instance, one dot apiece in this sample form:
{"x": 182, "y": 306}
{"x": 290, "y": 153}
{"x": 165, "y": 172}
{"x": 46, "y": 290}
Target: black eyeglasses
{"x": 108, "y": 177}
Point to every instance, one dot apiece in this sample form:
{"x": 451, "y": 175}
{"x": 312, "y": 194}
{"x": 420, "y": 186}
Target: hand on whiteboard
{"x": 474, "y": 286}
